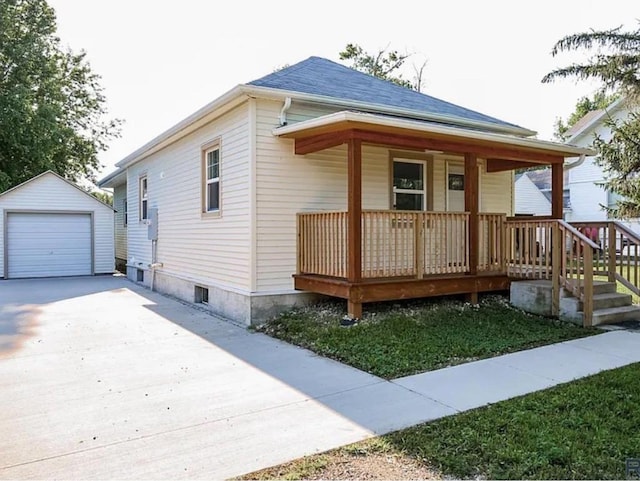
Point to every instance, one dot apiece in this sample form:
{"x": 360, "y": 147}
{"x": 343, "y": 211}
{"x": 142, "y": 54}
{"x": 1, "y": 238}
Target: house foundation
{"x": 246, "y": 309}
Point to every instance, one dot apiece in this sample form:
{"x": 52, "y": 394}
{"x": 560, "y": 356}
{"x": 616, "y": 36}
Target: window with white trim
{"x": 125, "y": 212}
{"x": 144, "y": 198}
{"x": 409, "y": 184}
{"x": 212, "y": 179}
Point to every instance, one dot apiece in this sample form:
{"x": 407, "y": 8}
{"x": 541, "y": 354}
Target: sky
{"x": 162, "y": 60}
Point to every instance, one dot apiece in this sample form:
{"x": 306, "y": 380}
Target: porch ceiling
{"x": 503, "y": 152}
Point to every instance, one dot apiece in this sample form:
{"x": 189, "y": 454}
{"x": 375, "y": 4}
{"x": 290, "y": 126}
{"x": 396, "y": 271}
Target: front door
{"x": 456, "y": 240}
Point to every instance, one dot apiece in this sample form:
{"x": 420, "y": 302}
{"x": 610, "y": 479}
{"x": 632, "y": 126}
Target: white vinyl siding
{"x": 529, "y": 199}
{"x": 48, "y": 245}
{"x": 287, "y": 184}
{"x": 586, "y": 196}
{"x": 121, "y": 204}
{"x": 50, "y": 193}
{"x": 191, "y": 245}
{"x": 496, "y": 191}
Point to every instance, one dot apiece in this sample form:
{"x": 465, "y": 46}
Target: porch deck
{"x": 407, "y": 254}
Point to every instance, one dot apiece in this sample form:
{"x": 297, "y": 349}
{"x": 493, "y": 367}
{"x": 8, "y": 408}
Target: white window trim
{"x": 423, "y": 192}
{"x": 125, "y": 212}
{"x": 143, "y": 198}
{"x": 206, "y": 148}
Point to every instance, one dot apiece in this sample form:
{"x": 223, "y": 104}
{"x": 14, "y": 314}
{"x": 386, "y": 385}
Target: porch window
{"x": 409, "y": 186}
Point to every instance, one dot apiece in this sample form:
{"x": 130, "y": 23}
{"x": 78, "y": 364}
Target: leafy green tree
{"x": 616, "y": 65}
{"x": 52, "y": 107}
{"x": 384, "y": 64}
{"x": 600, "y": 100}
{"x": 102, "y": 196}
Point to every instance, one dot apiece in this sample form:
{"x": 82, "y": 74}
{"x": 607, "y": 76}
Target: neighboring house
{"x": 53, "y": 228}
{"x": 529, "y": 200}
{"x": 585, "y": 181}
{"x": 533, "y": 193}
{"x": 321, "y": 179}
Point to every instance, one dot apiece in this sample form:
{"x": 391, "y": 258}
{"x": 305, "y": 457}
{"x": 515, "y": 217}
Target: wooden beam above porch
{"x": 412, "y": 141}
{"x": 336, "y": 129}
{"x": 501, "y": 165}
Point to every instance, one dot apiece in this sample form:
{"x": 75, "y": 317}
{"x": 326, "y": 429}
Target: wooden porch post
{"x": 557, "y": 188}
{"x": 471, "y": 205}
{"x": 354, "y": 222}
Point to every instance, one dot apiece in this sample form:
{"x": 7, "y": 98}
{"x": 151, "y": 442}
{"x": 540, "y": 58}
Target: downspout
{"x": 577, "y": 163}
{"x": 283, "y": 112}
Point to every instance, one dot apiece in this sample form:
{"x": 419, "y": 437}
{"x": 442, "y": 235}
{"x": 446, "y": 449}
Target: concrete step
{"x": 616, "y": 314}
{"x": 600, "y": 301}
{"x": 599, "y": 287}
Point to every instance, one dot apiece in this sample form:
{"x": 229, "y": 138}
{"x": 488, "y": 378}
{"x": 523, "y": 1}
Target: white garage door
{"x": 47, "y": 245}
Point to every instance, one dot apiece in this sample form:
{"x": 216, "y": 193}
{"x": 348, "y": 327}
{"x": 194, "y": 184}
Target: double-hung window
{"x": 211, "y": 179}
{"x": 409, "y": 185}
{"x": 144, "y": 198}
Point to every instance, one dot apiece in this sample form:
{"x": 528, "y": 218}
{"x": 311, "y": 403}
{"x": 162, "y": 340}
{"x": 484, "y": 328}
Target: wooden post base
{"x": 354, "y": 310}
{"x": 472, "y": 297}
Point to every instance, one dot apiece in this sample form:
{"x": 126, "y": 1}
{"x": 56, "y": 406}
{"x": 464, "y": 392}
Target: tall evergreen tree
{"x": 616, "y": 65}
{"x": 52, "y": 107}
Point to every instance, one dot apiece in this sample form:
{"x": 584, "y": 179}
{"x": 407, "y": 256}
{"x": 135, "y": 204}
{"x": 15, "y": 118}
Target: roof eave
{"x": 614, "y": 106}
{"x": 114, "y": 179}
{"x": 230, "y": 99}
{"x": 344, "y": 116}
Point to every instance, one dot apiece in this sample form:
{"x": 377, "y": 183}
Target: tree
{"x": 384, "y": 64}
{"x": 102, "y": 196}
{"x": 600, "y": 100}
{"x": 616, "y": 65}
{"x": 52, "y": 107}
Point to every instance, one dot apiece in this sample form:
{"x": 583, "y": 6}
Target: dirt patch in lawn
{"x": 364, "y": 461}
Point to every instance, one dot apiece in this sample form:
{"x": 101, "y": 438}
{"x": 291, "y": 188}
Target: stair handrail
{"x": 578, "y": 234}
{"x": 564, "y": 269}
{"x": 626, "y": 231}
{"x": 616, "y": 274}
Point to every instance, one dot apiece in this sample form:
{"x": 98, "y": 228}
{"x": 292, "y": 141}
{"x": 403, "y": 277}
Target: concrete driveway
{"x": 102, "y": 379}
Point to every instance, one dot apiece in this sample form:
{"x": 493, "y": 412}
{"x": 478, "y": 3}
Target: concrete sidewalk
{"x": 102, "y": 379}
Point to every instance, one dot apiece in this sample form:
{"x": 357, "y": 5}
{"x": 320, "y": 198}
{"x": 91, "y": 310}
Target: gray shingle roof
{"x": 319, "y": 76}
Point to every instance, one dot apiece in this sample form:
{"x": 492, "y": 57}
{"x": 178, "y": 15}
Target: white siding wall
{"x": 585, "y": 193}
{"x": 49, "y": 193}
{"x": 209, "y": 250}
{"x": 287, "y": 184}
{"x": 529, "y": 199}
{"x": 119, "y": 199}
{"x": 586, "y": 198}
{"x": 496, "y": 191}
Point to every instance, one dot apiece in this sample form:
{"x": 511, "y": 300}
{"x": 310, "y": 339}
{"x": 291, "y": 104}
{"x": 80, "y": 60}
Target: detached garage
{"x": 53, "y": 228}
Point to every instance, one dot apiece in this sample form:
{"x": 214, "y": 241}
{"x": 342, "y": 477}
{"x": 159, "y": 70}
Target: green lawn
{"x": 399, "y": 339}
{"x": 582, "y": 430}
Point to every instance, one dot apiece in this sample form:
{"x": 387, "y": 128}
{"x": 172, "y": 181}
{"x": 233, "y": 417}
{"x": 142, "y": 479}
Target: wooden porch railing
{"x": 493, "y": 242}
{"x": 617, "y": 255}
{"x": 553, "y": 249}
{"x": 529, "y": 248}
{"x": 322, "y": 243}
{"x": 399, "y": 244}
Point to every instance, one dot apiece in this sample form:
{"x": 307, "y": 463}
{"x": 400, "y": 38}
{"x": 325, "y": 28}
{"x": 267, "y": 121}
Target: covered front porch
{"x": 365, "y": 255}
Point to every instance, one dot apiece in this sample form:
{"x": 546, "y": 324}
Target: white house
{"x": 585, "y": 181}
{"x": 529, "y": 199}
{"x": 52, "y": 228}
{"x": 321, "y": 179}
{"x": 532, "y": 191}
